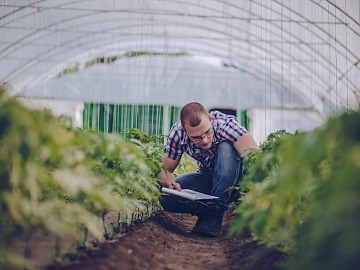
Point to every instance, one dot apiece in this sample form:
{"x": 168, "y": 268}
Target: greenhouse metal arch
{"x": 286, "y": 64}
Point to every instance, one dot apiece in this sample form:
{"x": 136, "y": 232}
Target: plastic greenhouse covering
{"x": 286, "y": 64}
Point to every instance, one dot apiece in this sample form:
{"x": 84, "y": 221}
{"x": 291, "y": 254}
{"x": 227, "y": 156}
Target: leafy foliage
{"x": 59, "y": 179}
{"x": 304, "y": 195}
{"x": 154, "y": 151}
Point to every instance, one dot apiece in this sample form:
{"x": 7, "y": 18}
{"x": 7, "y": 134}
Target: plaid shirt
{"x": 225, "y": 127}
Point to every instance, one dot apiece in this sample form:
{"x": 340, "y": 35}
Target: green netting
{"x": 114, "y": 118}
{"x": 243, "y": 119}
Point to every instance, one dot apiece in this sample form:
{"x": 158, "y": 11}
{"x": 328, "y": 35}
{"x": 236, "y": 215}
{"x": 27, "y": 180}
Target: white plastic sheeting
{"x": 164, "y": 80}
{"x": 271, "y": 120}
{"x": 300, "y": 54}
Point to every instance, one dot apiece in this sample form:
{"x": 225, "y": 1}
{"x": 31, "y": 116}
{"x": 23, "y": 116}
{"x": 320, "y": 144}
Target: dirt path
{"x": 164, "y": 242}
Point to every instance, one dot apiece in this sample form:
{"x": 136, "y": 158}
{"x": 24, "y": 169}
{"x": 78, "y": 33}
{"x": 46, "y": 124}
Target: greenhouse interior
{"x": 75, "y": 75}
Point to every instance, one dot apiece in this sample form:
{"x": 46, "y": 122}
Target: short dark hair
{"x": 191, "y": 114}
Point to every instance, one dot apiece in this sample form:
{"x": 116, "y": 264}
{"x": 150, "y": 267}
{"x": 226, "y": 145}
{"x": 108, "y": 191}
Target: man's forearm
{"x": 166, "y": 178}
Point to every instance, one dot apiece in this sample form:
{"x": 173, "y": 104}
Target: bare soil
{"x": 164, "y": 241}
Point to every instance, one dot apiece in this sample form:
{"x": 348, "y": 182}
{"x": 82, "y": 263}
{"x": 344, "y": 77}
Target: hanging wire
{"x": 263, "y": 67}
{"x": 329, "y": 73}
{"x": 270, "y": 65}
{"x": 282, "y": 67}
{"x": 323, "y": 70}
{"x": 336, "y": 61}
{"x": 346, "y": 59}
{"x": 290, "y": 72}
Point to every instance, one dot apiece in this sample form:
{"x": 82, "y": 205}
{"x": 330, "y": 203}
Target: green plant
{"x": 59, "y": 179}
{"x": 303, "y": 195}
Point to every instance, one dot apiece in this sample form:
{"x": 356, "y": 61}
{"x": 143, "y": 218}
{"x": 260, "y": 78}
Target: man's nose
{"x": 205, "y": 139}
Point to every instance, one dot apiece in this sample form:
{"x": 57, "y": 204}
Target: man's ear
{"x": 210, "y": 117}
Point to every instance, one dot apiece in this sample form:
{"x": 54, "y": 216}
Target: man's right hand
{"x": 174, "y": 185}
{"x": 166, "y": 176}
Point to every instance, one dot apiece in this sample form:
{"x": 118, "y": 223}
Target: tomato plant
{"x": 303, "y": 195}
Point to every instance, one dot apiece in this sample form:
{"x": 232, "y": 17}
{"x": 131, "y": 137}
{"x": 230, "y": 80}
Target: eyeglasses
{"x": 207, "y": 135}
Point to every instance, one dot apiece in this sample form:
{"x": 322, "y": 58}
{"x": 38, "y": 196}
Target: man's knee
{"x": 166, "y": 203}
{"x": 171, "y": 204}
{"x": 225, "y": 146}
{"x": 227, "y": 152}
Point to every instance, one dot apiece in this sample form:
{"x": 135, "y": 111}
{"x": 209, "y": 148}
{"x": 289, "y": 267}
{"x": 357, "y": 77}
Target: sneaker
{"x": 198, "y": 222}
{"x": 209, "y": 225}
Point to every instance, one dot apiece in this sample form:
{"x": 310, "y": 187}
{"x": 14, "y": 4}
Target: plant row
{"x": 302, "y": 195}
{"x": 57, "y": 179}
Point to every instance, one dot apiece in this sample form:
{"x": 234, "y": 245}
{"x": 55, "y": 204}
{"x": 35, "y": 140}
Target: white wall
{"x": 72, "y": 109}
{"x": 266, "y": 121}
